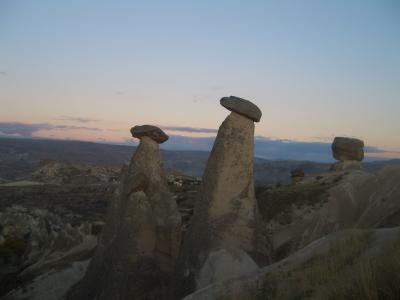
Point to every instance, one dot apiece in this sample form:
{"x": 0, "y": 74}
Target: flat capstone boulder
{"x": 242, "y": 106}
{"x": 153, "y": 132}
{"x": 344, "y": 149}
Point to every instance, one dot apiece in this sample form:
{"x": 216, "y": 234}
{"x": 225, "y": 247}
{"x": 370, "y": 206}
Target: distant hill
{"x": 374, "y": 166}
{"x": 20, "y": 157}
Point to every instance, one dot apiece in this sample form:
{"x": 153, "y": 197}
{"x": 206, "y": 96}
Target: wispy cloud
{"x": 76, "y": 119}
{"x": 26, "y": 130}
{"x": 9, "y": 135}
{"x": 114, "y": 129}
{"x": 371, "y": 149}
{"x": 67, "y": 127}
{"x": 216, "y": 88}
{"x": 189, "y": 129}
{"x": 265, "y": 147}
{"x": 22, "y": 129}
{"x": 324, "y": 139}
{"x": 3, "y": 73}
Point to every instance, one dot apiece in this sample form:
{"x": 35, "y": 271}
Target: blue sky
{"x": 316, "y": 69}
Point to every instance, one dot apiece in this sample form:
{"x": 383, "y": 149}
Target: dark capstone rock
{"x": 344, "y": 148}
{"x": 297, "y": 173}
{"x": 150, "y": 131}
{"x": 242, "y": 106}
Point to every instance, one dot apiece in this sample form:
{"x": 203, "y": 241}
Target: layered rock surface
{"x": 141, "y": 238}
{"x": 298, "y": 214}
{"x": 32, "y": 240}
{"x": 351, "y": 264}
{"x": 43, "y": 252}
{"x": 226, "y": 235}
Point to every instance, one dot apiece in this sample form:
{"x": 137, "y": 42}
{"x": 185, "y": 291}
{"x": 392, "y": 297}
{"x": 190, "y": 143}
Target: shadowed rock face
{"x": 224, "y": 239}
{"x": 141, "y": 238}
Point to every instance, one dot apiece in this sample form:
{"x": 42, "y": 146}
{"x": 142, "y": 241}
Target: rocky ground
{"x": 50, "y": 222}
{"x": 349, "y": 264}
{"x": 335, "y": 236}
{"x": 300, "y": 213}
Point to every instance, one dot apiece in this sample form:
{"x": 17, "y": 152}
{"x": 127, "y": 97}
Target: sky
{"x": 90, "y": 70}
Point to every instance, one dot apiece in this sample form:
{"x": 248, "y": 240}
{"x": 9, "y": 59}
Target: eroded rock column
{"x": 226, "y": 237}
{"x": 140, "y": 241}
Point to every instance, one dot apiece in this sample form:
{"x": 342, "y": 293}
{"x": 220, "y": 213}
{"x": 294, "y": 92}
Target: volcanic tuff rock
{"x": 31, "y": 240}
{"x": 347, "y": 149}
{"x": 153, "y": 132}
{"x": 225, "y": 236}
{"x": 58, "y": 258}
{"x": 350, "y": 264}
{"x": 299, "y": 214}
{"x": 140, "y": 241}
{"x": 242, "y": 106}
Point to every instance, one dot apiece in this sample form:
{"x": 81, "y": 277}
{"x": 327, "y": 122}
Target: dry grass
{"x": 342, "y": 273}
{"x": 322, "y": 273}
{"x": 277, "y": 202}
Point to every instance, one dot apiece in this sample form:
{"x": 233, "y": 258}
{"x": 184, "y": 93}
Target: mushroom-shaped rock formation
{"x": 242, "y": 107}
{"x": 140, "y": 240}
{"x": 153, "y": 132}
{"x": 226, "y": 238}
{"x": 349, "y": 152}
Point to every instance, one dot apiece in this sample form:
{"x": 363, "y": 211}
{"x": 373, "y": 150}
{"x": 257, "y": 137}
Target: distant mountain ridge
{"x": 20, "y": 157}
{"x": 272, "y": 149}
